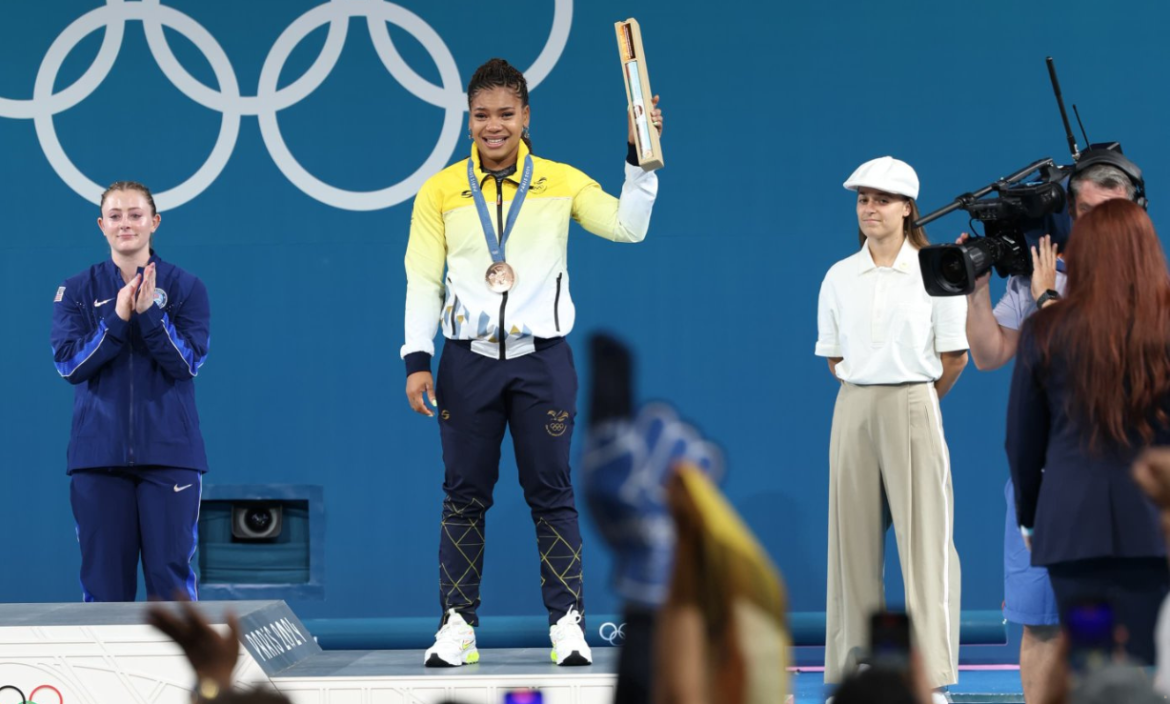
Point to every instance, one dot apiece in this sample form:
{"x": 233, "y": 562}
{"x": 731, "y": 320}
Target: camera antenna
{"x": 1083, "y": 133}
{"x": 1072, "y": 140}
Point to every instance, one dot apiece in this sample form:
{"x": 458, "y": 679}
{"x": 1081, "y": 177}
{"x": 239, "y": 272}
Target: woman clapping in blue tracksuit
{"x": 130, "y": 334}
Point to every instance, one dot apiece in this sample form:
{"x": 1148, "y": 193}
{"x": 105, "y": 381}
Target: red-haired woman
{"x": 1091, "y": 389}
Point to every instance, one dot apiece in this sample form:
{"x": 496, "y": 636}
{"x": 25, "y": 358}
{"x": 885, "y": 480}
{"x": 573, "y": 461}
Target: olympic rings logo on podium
{"x": 31, "y": 697}
{"x": 269, "y": 99}
{"x": 612, "y": 633}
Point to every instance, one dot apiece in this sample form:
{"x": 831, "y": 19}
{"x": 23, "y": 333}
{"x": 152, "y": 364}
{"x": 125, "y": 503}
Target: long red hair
{"x": 1113, "y": 325}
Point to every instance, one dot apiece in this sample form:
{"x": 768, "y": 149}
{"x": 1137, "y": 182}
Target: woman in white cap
{"x": 896, "y": 351}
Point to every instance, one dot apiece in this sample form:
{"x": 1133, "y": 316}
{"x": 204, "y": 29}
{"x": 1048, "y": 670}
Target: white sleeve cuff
{"x": 637, "y": 202}
{"x": 951, "y": 344}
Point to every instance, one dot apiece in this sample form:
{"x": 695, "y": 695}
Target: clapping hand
{"x": 146, "y": 290}
{"x": 124, "y": 306}
{"x": 137, "y": 296}
{"x": 212, "y": 656}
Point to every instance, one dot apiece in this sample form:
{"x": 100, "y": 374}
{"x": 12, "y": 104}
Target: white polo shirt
{"x": 882, "y": 322}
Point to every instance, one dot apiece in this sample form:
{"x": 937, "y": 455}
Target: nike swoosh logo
{"x": 99, "y": 304}
{"x": 180, "y": 488}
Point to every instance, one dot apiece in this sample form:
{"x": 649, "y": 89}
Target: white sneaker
{"x": 568, "y": 641}
{"x": 454, "y": 644}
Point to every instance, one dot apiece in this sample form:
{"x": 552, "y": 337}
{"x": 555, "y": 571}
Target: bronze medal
{"x": 500, "y": 277}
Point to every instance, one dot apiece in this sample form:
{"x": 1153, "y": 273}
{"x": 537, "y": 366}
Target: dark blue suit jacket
{"x": 1081, "y": 505}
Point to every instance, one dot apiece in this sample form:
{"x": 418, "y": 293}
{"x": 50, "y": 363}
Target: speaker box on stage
{"x": 262, "y": 541}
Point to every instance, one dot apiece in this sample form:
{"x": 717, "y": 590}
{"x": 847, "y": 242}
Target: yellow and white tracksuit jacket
{"x": 445, "y": 229}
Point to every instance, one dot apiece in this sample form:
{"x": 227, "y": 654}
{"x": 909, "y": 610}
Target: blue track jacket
{"x": 135, "y": 393}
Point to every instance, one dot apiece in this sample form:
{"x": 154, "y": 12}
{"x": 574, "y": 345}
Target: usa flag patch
{"x": 60, "y": 294}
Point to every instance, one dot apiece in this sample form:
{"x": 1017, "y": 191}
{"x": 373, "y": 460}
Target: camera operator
{"x": 993, "y": 334}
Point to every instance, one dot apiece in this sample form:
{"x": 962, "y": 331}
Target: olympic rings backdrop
{"x": 285, "y": 140}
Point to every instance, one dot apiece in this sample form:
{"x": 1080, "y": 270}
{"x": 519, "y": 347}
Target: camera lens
{"x": 258, "y": 519}
{"x": 255, "y": 520}
{"x": 952, "y": 268}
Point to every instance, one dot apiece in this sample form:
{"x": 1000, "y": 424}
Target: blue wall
{"x": 768, "y": 110}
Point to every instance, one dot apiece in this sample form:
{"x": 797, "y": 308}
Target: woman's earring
{"x": 469, "y": 136}
{"x": 525, "y": 133}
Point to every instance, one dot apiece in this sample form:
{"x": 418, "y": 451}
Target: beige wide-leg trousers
{"x": 887, "y": 442}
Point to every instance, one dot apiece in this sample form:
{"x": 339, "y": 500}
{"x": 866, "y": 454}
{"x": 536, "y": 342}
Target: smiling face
{"x": 497, "y": 121}
{"x": 128, "y": 221}
{"x": 880, "y": 214}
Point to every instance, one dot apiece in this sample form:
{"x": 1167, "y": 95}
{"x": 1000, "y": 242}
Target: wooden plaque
{"x": 638, "y": 93}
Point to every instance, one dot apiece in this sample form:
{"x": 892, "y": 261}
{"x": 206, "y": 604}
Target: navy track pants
{"x": 535, "y": 397}
{"x": 124, "y": 512}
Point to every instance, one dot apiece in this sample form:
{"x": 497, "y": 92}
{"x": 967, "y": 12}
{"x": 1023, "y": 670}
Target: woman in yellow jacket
{"x": 497, "y": 224}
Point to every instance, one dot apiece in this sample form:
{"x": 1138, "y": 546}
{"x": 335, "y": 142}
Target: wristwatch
{"x": 1047, "y": 296}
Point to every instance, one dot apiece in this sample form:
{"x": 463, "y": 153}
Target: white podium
{"x": 102, "y": 653}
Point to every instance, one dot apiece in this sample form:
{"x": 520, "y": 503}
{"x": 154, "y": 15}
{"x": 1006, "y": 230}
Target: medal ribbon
{"x": 497, "y": 248}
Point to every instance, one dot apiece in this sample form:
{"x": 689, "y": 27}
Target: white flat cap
{"x": 885, "y": 174}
